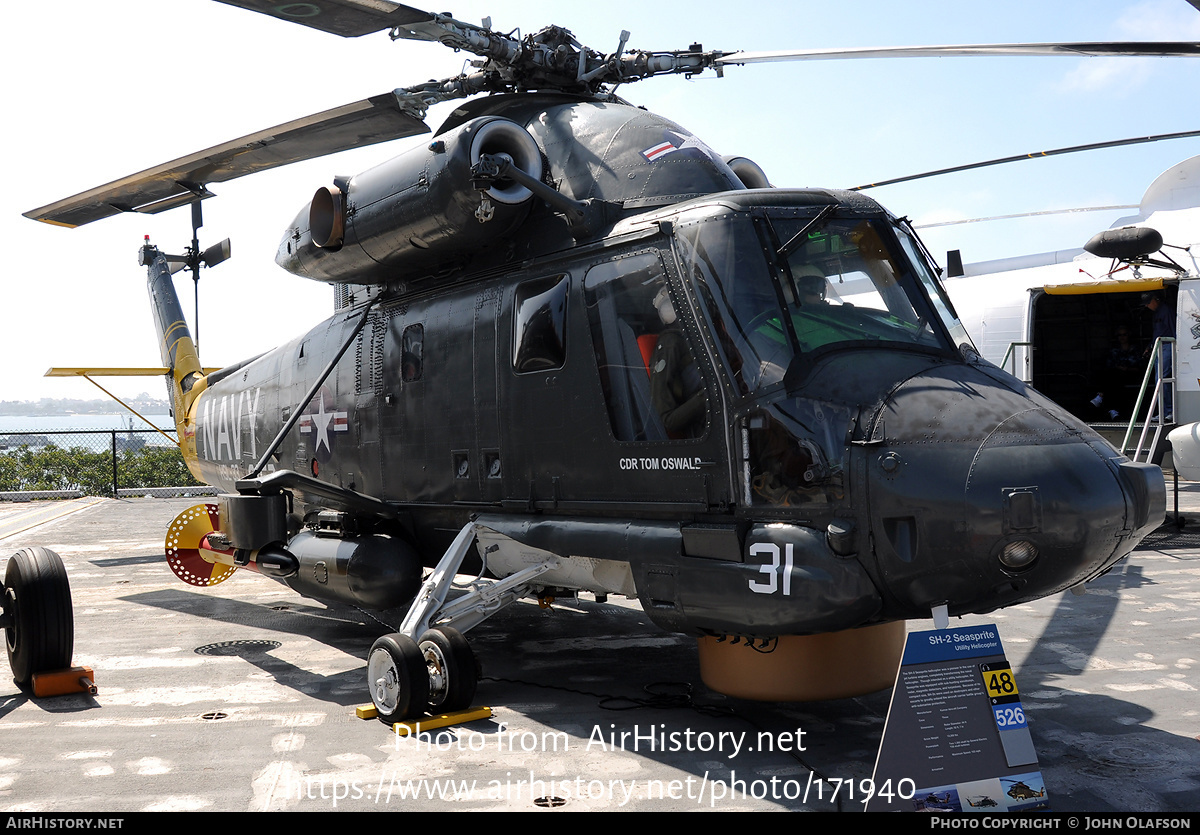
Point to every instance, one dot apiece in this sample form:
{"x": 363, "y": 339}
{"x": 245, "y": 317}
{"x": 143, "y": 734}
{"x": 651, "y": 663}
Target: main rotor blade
{"x": 348, "y": 18}
{"x": 1115, "y": 143}
{"x": 1159, "y": 49}
{"x": 351, "y": 18}
{"x": 180, "y": 181}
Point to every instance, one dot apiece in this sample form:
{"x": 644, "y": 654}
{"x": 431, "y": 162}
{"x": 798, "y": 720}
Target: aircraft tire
{"x": 37, "y": 599}
{"x": 453, "y": 671}
{"x": 397, "y": 678}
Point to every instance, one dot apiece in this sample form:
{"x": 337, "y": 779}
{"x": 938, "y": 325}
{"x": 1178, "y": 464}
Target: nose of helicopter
{"x": 984, "y": 494}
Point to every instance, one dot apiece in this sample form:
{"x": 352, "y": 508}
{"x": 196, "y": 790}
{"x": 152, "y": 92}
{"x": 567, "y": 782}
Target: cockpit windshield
{"x": 843, "y": 281}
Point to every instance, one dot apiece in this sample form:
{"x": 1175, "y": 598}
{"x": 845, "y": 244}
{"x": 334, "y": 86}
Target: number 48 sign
{"x": 1006, "y": 700}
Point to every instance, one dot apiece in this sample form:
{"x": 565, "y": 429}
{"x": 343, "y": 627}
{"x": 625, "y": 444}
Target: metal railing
{"x": 60, "y": 463}
{"x": 1011, "y": 352}
{"x": 1162, "y": 399}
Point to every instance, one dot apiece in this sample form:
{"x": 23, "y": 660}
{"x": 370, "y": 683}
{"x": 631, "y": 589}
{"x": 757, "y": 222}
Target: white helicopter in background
{"x": 1071, "y": 322}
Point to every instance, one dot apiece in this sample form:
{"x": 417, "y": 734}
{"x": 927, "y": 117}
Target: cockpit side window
{"x": 652, "y": 386}
{"x": 726, "y": 260}
{"x": 935, "y": 291}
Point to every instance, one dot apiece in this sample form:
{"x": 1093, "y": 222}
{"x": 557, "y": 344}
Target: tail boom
{"x": 186, "y": 378}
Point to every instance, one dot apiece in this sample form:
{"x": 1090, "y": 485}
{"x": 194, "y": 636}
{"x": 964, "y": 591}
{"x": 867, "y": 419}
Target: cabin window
{"x": 412, "y": 353}
{"x": 540, "y": 324}
{"x": 652, "y": 387}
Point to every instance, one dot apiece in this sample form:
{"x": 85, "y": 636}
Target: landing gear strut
{"x": 443, "y": 676}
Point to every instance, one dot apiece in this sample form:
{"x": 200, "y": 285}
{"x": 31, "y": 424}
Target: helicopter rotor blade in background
{"x": 1115, "y": 143}
{"x": 1157, "y": 49}
{"x": 1018, "y": 215}
{"x": 176, "y": 183}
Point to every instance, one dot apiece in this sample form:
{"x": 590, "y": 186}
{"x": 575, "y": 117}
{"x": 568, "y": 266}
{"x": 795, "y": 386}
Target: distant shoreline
{"x": 72, "y": 408}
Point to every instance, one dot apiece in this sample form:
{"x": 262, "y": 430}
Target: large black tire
{"x": 452, "y": 669}
{"x": 37, "y": 598}
{"x": 396, "y": 678}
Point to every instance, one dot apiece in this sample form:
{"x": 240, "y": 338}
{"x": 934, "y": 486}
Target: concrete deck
{"x": 242, "y": 697}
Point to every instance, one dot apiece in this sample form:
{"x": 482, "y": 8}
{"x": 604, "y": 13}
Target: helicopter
{"x": 1019, "y": 790}
{"x": 577, "y": 350}
{"x": 1023, "y": 312}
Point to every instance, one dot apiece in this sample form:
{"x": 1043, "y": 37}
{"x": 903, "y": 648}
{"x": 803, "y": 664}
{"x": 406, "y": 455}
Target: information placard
{"x": 956, "y": 728}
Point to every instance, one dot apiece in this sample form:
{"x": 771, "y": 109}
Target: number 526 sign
{"x": 1002, "y": 690}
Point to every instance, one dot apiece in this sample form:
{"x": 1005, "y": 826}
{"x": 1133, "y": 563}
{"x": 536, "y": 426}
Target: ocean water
{"x": 49, "y": 423}
{"x": 56, "y": 429}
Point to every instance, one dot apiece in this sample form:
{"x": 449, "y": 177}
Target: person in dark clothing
{"x": 676, "y": 389}
{"x": 1162, "y": 325}
{"x": 1123, "y": 372}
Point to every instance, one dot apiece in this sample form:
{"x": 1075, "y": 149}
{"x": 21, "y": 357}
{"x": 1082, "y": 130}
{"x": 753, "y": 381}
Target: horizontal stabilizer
{"x": 157, "y": 371}
{"x": 176, "y": 183}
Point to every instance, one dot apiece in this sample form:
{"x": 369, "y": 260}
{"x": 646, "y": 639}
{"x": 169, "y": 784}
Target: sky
{"x": 97, "y": 91}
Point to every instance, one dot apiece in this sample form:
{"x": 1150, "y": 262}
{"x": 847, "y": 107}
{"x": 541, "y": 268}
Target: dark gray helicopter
{"x": 577, "y": 350}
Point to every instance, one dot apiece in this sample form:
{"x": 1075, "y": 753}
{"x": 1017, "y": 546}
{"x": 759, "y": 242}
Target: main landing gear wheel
{"x": 37, "y": 602}
{"x": 183, "y": 547}
{"x": 397, "y": 678}
{"x": 453, "y": 673}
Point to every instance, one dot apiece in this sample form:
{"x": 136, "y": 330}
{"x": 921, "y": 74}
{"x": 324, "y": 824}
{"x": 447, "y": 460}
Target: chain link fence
{"x": 98, "y": 462}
